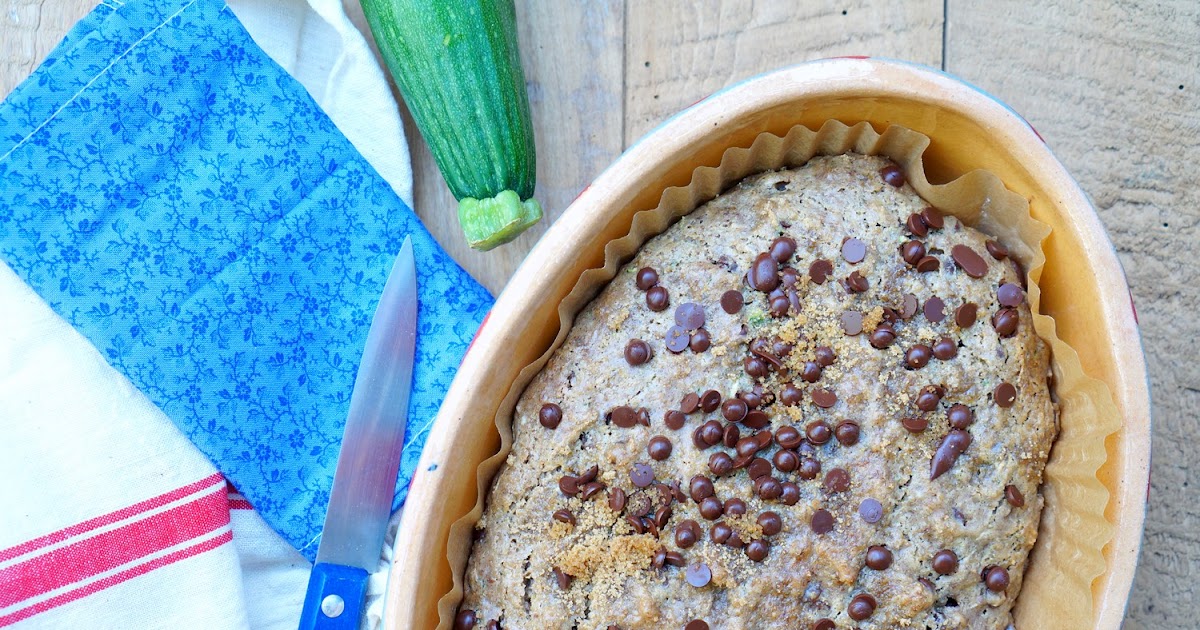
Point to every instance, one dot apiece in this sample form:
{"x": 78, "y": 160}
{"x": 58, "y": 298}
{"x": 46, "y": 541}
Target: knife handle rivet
{"x": 332, "y": 605}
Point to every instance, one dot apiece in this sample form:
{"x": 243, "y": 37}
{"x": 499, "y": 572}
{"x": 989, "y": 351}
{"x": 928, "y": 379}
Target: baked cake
{"x": 814, "y": 402}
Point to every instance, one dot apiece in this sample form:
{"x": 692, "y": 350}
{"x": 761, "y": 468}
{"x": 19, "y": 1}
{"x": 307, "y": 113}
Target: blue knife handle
{"x": 348, "y": 583}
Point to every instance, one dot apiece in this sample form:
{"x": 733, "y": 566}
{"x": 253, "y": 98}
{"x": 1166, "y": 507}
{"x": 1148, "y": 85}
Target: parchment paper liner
{"x": 1068, "y": 554}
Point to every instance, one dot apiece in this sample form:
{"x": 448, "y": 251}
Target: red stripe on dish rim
{"x": 110, "y": 550}
{"x": 115, "y": 579}
{"x": 108, "y": 519}
{"x": 483, "y": 323}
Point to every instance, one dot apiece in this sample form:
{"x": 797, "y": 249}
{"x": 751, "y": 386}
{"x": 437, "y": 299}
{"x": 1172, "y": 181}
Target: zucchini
{"x": 457, "y": 66}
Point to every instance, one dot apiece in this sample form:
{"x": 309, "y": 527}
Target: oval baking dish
{"x": 969, "y": 130}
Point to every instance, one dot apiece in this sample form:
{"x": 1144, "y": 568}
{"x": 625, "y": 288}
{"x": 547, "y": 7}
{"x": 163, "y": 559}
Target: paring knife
{"x": 365, "y": 479}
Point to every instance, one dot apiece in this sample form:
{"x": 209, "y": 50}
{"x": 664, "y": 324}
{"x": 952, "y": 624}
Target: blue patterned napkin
{"x": 185, "y": 204}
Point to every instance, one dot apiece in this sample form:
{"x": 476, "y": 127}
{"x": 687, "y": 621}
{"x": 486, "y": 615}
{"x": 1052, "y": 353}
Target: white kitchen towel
{"x": 119, "y": 519}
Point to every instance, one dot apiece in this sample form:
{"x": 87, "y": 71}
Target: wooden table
{"x": 1114, "y": 87}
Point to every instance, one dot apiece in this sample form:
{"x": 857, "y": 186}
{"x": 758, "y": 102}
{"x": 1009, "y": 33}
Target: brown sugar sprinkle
{"x": 997, "y": 250}
{"x": 1010, "y": 294}
{"x": 637, "y": 352}
{"x": 952, "y": 445}
{"x": 732, "y": 301}
{"x": 969, "y": 261}
{"x": 674, "y": 419}
{"x": 861, "y": 607}
{"x": 1014, "y": 496}
{"x": 945, "y": 562}
{"x": 1005, "y": 395}
{"x": 616, "y": 500}
{"x": 550, "y": 415}
{"x": 647, "y": 278}
{"x": 820, "y": 270}
{"x": 892, "y": 175}
{"x": 822, "y": 522}
{"x": 935, "y": 309}
{"x": 657, "y": 299}
{"x": 915, "y": 424}
{"x": 964, "y": 316}
{"x": 564, "y": 516}
{"x": 465, "y": 620}
{"x": 928, "y": 264}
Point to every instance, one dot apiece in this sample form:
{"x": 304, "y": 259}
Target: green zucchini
{"x": 457, "y": 66}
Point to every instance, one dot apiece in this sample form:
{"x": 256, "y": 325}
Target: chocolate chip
{"x": 690, "y": 315}
{"x": 1010, "y": 294}
{"x": 758, "y": 467}
{"x": 822, "y": 522}
{"x": 643, "y": 417}
{"x": 825, "y": 356}
{"x": 996, "y": 579}
{"x": 696, "y": 624}
{"x": 846, "y": 432}
{"x": 763, "y": 274}
{"x": 837, "y": 480}
{"x": 915, "y": 425}
{"x": 854, "y": 250}
{"x": 756, "y": 419}
{"x": 735, "y": 506}
{"x": 700, "y": 341}
{"x": 641, "y": 475}
{"x": 746, "y": 447}
{"x": 732, "y": 301}
{"x": 690, "y": 402}
{"x": 660, "y": 558}
{"x": 1005, "y": 395}
{"x": 657, "y": 299}
{"x": 734, "y": 409}
{"x": 824, "y": 624}
{"x": 912, "y": 252}
{"x": 770, "y": 522}
{"x": 878, "y": 557}
{"x": 932, "y": 218}
{"x": 882, "y": 336}
{"x": 465, "y": 620}
{"x": 786, "y": 461}
{"x": 678, "y": 339}
{"x": 757, "y": 550}
{"x": 753, "y": 399}
{"x": 659, "y": 448}
{"x": 700, "y": 488}
{"x": 969, "y": 261}
{"x": 550, "y": 415}
{"x": 568, "y": 485}
{"x": 647, "y": 277}
{"x": 637, "y": 352}
{"x": 929, "y": 397}
{"x": 791, "y": 395}
{"x": 856, "y": 283}
{"x": 811, "y": 374}
{"x": 917, "y": 356}
{"x": 852, "y": 322}
{"x": 928, "y": 264}
{"x": 720, "y": 463}
{"x": 892, "y": 175}
{"x": 616, "y": 500}
{"x": 998, "y": 251}
{"x": 818, "y": 432}
{"x": 768, "y": 488}
{"x": 564, "y": 516}
{"x": 916, "y": 225}
{"x": 639, "y": 526}
{"x": 951, "y": 446}
{"x": 809, "y": 468}
{"x": 623, "y": 416}
{"x": 870, "y": 510}
{"x": 782, "y": 248}
{"x": 964, "y": 315}
{"x": 820, "y": 270}
{"x": 563, "y": 579}
{"x": 731, "y": 435}
{"x": 790, "y": 494}
{"x": 779, "y": 305}
{"x": 960, "y": 416}
{"x": 945, "y": 562}
{"x": 589, "y": 490}
{"x": 935, "y": 309}
{"x": 662, "y": 516}
{"x": 674, "y": 420}
{"x": 1014, "y": 496}
{"x": 823, "y": 398}
{"x": 754, "y": 366}
{"x": 945, "y": 349}
{"x": 711, "y": 508}
{"x": 711, "y": 433}
{"x": 698, "y": 575}
{"x": 788, "y": 437}
{"x": 492, "y": 624}
{"x": 909, "y": 307}
{"x": 861, "y": 607}
{"x": 720, "y": 532}
{"x": 687, "y": 533}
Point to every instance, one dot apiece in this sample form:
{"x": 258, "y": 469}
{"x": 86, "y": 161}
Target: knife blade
{"x": 365, "y": 479}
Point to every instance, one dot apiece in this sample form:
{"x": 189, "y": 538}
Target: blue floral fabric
{"x": 187, "y": 206}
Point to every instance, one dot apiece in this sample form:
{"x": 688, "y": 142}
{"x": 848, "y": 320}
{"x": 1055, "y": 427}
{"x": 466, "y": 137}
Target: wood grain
{"x": 1114, "y": 88}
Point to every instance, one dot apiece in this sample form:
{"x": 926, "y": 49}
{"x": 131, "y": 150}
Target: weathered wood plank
{"x": 1114, "y": 88}
{"x": 679, "y": 53}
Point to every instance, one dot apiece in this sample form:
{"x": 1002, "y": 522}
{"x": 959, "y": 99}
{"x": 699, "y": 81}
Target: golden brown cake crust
{"x": 521, "y": 562}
